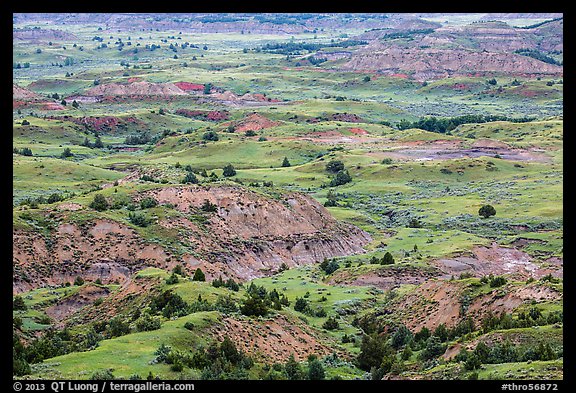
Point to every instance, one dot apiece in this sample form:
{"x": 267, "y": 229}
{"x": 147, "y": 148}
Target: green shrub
{"x": 148, "y": 202}
{"x": 99, "y": 203}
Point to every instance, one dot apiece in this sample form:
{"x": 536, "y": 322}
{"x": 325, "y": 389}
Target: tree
{"x": 342, "y": 177}
{"x": 433, "y": 349}
{"x": 331, "y": 324}
{"x": 292, "y": 369}
{"x": 387, "y": 259}
{"x": 487, "y": 211}
{"x": 441, "y": 332}
{"x": 66, "y": 153}
{"x": 99, "y": 203}
{"x": 210, "y": 136}
{"x": 199, "y": 275}
{"x": 98, "y": 143}
{"x": 138, "y": 219}
{"x": 79, "y": 281}
{"x": 117, "y": 327}
{"x": 254, "y": 305}
{"x": 285, "y": 163}
{"x": 229, "y": 351}
{"x": 190, "y": 178}
{"x": 229, "y": 171}
{"x": 332, "y": 199}
{"x": 335, "y": 166}
{"x": 207, "y": 86}
{"x": 75, "y": 104}
{"x": 148, "y": 202}
{"x": 372, "y": 351}
{"x": 315, "y": 369}
{"x": 401, "y": 336}
{"x": 301, "y": 304}
{"x": 18, "y": 303}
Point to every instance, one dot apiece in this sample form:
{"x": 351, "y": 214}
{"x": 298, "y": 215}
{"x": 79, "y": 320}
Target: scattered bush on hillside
{"x": 199, "y": 275}
{"x": 99, "y": 203}
{"x": 329, "y": 266}
{"x": 229, "y": 171}
{"x": 148, "y": 202}
{"x": 169, "y": 304}
{"x": 138, "y": 219}
{"x": 487, "y": 211}
{"x": 335, "y": 166}
{"x": 341, "y": 178}
{"x": 210, "y": 136}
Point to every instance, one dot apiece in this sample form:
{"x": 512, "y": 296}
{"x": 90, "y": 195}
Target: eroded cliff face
{"x": 250, "y": 235}
{"x": 440, "y": 63}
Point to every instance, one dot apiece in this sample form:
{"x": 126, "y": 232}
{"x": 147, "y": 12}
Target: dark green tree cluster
{"x": 210, "y": 136}
{"x": 230, "y": 284}
{"x": 216, "y": 361}
{"x": 443, "y": 125}
{"x": 169, "y": 304}
{"x": 506, "y": 352}
{"x": 332, "y": 199}
{"x": 302, "y": 305}
{"x": 198, "y": 275}
{"x": 148, "y": 202}
{"x": 329, "y": 266}
{"x": 25, "y": 151}
{"x": 138, "y": 139}
{"x": 340, "y": 174}
{"x": 258, "y": 300}
{"x": 376, "y": 355}
{"x": 387, "y": 259}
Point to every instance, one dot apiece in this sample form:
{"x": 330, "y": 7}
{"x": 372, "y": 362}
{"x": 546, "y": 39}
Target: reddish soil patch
{"x": 141, "y": 88}
{"x": 431, "y": 304}
{"x": 386, "y": 278}
{"x": 86, "y": 295}
{"x": 255, "y": 122}
{"x": 358, "y": 131}
{"x": 345, "y": 117}
{"x": 460, "y": 86}
{"x": 20, "y": 93}
{"x": 249, "y": 236}
{"x": 187, "y": 86}
{"x": 439, "y": 301}
{"x": 494, "y": 260}
{"x": 19, "y": 104}
{"x": 403, "y": 76}
{"x": 52, "y": 106}
{"x": 272, "y": 340}
{"x": 100, "y": 123}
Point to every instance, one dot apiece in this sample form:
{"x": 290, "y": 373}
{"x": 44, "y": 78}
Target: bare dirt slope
{"x": 249, "y": 236}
